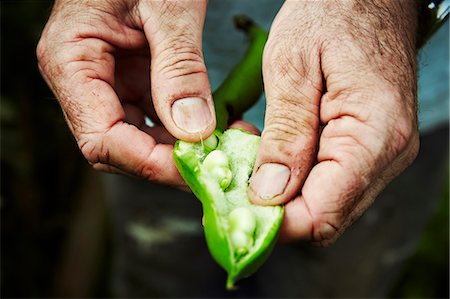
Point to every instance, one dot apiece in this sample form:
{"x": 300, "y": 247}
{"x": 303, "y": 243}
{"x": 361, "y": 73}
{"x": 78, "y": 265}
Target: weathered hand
{"x": 108, "y": 61}
{"x": 340, "y": 81}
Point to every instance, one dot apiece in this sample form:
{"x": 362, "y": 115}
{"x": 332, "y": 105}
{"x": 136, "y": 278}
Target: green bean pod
{"x": 244, "y": 85}
{"x": 239, "y": 235}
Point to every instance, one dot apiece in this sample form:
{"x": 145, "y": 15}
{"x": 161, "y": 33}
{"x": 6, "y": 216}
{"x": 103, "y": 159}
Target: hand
{"x": 340, "y": 81}
{"x": 110, "y": 62}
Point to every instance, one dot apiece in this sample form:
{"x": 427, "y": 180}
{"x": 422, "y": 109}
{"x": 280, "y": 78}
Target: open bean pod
{"x": 240, "y": 235}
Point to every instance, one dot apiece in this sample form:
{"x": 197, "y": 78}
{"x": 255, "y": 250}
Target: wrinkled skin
{"x": 340, "y": 81}
{"x": 96, "y": 57}
{"x": 343, "y": 83}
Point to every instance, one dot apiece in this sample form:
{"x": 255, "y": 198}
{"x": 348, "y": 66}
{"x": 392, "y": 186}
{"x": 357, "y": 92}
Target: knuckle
{"x": 40, "y": 51}
{"x": 42, "y": 55}
{"x": 172, "y": 9}
{"x": 175, "y": 14}
{"x": 147, "y": 172}
{"x": 405, "y": 134}
{"x": 93, "y": 149}
{"x": 282, "y": 128}
{"x": 332, "y": 218}
{"x": 294, "y": 137}
{"x": 286, "y": 61}
{"x": 325, "y": 233}
{"x": 180, "y": 57}
{"x": 294, "y": 107}
{"x": 415, "y": 147}
{"x": 89, "y": 151}
{"x": 397, "y": 108}
{"x": 273, "y": 50}
{"x": 289, "y": 117}
{"x": 402, "y": 135}
{"x": 278, "y": 58}
{"x": 48, "y": 61}
{"x": 147, "y": 169}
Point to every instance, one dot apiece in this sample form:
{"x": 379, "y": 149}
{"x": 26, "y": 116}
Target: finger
{"x": 354, "y": 166}
{"x": 107, "y": 139}
{"x": 95, "y": 115}
{"x": 180, "y": 87}
{"x": 243, "y": 125}
{"x": 292, "y": 81}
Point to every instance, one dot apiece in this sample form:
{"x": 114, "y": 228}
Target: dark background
{"x": 46, "y": 215}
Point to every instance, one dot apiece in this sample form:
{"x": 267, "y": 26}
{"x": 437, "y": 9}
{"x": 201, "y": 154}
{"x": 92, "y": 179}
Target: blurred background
{"x": 55, "y": 219}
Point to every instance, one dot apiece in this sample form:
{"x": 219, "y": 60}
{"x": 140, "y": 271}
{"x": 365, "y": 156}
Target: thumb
{"x": 179, "y": 82}
{"x": 292, "y": 81}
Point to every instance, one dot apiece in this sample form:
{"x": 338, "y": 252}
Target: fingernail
{"x": 191, "y": 114}
{"x": 270, "y": 180}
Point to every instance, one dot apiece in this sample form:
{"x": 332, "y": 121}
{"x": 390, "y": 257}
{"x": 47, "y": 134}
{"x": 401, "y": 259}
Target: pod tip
{"x": 230, "y": 284}
{"x": 243, "y": 22}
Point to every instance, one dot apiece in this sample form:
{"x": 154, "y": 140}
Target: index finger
{"x": 83, "y": 85}
{"x": 355, "y": 163}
